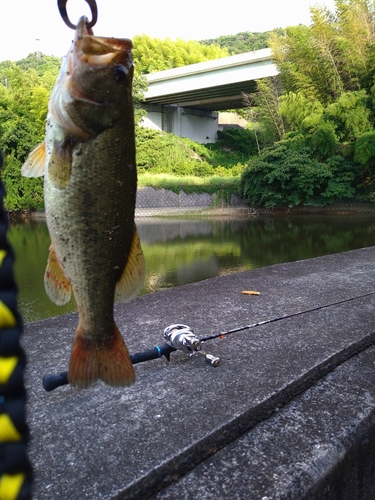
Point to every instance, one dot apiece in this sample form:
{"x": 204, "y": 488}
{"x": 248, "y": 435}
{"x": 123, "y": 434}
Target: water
{"x": 180, "y": 251}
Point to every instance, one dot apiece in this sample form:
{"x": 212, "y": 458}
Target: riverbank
{"x": 245, "y": 211}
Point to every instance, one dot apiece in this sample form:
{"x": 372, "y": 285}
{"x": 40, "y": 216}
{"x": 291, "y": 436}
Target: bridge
{"x": 185, "y": 100}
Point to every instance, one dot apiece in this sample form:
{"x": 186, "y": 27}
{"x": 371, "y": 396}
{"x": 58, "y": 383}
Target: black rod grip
{"x": 52, "y": 380}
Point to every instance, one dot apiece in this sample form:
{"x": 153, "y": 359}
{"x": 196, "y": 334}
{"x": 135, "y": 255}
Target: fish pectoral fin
{"x": 133, "y": 276}
{"x": 57, "y": 286}
{"x": 60, "y": 166}
{"x": 35, "y": 163}
{"x": 107, "y": 359}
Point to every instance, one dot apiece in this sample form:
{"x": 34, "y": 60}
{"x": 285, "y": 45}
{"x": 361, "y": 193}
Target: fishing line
{"x": 284, "y": 316}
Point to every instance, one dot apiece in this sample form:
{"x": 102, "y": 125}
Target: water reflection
{"x": 180, "y": 251}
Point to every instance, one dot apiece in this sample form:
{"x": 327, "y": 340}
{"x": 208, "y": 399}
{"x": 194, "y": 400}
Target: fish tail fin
{"x": 92, "y": 360}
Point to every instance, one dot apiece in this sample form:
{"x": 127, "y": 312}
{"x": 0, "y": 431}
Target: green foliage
{"x": 242, "y": 42}
{"x": 295, "y": 107}
{"x": 237, "y": 140}
{"x": 159, "y": 152}
{"x": 47, "y": 67}
{"x": 154, "y": 54}
{"x": 327, "y": 75}
{"x": 139, "y": 88}
{"x": 323, "y": 142}
{"x": 266, "y": 101}
{"x": 350, "y": 115}
{"x": 365, "y": 148}
{"x": 21, "y": 193}
{"x": 191, "y": 184}
{"x": 333, "y": 56}
{"x": 287, "y": 174}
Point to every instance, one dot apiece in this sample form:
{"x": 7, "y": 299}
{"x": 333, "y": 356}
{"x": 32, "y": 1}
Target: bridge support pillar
{"x": 199, "y": 125}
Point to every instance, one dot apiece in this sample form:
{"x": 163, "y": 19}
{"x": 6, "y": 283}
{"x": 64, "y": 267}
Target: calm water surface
{"x": 180, "y": 251}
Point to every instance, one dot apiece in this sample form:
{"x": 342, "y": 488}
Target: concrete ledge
{"x": 320, "y": 446}
{"x": 277, "y": 382}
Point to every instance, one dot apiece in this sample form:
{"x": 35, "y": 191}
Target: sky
{"x": 35, "y": 25}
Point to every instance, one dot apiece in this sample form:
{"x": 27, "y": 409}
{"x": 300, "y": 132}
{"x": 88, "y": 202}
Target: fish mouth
{"x": 95, "y": 50}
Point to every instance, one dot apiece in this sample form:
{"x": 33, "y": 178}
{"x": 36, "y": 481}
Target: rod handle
{"x": 52, "y": 381}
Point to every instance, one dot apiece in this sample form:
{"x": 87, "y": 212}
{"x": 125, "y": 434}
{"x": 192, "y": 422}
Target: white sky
{"x": 30, "y": 25}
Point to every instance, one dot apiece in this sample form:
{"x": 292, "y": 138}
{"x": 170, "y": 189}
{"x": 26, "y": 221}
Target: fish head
{"x": 94, "y": 89}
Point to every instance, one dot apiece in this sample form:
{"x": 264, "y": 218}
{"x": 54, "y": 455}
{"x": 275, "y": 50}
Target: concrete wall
{"x": 152, "y": 201}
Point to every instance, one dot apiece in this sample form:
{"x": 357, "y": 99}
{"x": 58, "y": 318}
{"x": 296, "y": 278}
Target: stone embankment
{"x": 155, "y": 202}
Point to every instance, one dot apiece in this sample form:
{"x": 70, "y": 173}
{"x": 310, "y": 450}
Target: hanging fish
{"x": 90, "y": 180}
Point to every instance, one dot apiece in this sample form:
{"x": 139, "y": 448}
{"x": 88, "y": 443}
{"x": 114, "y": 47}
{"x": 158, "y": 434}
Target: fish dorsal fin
{"x": 132, "y": 279}
{"x": 35, "y": 164}
{"x": 57, "y": 286}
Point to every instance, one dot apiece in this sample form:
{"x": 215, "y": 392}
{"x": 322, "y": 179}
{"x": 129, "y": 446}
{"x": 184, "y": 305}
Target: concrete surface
{"x": 289, "y": 413}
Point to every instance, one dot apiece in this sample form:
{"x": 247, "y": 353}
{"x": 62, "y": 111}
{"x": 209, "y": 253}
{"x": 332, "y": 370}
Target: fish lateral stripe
{"x": 93, "y": 360}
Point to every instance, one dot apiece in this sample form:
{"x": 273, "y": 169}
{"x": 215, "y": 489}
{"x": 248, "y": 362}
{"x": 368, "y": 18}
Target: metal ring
{"x": 61, "y": 4}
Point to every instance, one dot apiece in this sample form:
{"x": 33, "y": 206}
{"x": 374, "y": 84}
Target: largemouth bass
{"x": 90, "y": 180}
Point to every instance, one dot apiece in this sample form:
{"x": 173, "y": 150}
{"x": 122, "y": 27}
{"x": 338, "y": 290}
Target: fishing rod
{"x": 181, "y": 337}
{"x": 284, "y": 316}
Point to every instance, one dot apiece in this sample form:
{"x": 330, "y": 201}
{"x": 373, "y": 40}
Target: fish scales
{"x": 86, "y": 244}
{"x": 90, "y": 180}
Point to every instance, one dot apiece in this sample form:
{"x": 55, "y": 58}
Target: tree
{"x": 154, "y": 54}
{"x": 241, "y": 42}
{"x": 265, "y": 102}
{"x": 330, "y": 57}
{"x": 327, "y": 74}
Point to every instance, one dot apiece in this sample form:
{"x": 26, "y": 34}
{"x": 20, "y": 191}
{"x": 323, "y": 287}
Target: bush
{"x": 287, "y": 175}
{"x": 238, "y": 140}
{"x": 159, "y": 152}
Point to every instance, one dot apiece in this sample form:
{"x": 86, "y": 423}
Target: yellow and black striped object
{"x": 15, "y": 468}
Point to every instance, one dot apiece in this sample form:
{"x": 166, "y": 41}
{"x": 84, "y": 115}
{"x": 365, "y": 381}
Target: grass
{"x": 222, "y": 187}
{"x": 190, "y": 184}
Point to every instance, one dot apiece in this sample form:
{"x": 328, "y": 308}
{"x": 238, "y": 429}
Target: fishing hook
{"x": 61, "y": 4}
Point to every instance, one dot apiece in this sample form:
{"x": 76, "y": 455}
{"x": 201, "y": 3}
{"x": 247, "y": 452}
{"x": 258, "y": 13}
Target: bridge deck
{"x": 213, "y": 85}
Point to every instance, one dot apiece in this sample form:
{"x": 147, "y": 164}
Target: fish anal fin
{"x": 58, "y": 287}
{"x": 35, "y": 163}
{"x": 133, "y": 276}
{"x": 107, "y": 360}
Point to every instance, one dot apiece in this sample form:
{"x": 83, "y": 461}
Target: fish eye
{"x": 119, "y": 73}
